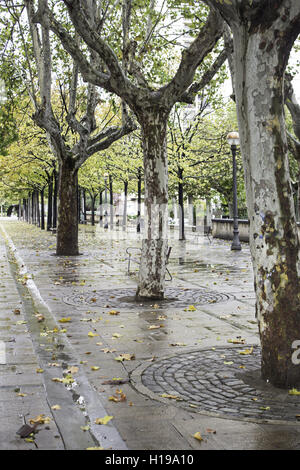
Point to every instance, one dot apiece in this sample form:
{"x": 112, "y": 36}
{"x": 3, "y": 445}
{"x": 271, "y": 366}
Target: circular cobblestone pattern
{"x": 223, "y": 382}
{"x": 124, "y": 298}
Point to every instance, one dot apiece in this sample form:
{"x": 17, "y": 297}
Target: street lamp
{"x": 233, "y": 141}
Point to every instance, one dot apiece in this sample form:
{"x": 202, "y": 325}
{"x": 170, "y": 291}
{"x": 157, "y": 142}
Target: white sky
{"x": 296, "y": 81}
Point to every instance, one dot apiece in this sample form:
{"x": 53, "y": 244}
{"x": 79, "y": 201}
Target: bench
{"x": 136, "y": 260}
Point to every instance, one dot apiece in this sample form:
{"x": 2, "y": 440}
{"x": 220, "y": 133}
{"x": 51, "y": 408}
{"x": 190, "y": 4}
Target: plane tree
{"x": 134, "y": 68}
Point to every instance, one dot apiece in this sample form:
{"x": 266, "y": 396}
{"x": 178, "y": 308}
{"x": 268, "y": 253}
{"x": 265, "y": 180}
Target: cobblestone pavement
{"x": 182, "y": 347}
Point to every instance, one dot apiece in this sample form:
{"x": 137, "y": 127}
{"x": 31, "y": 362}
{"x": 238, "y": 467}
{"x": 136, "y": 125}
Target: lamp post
{"x": 233, "y": 140}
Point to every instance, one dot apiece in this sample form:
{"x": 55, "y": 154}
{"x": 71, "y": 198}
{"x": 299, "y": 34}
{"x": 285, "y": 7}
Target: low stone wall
{"x": 223, "y": 228}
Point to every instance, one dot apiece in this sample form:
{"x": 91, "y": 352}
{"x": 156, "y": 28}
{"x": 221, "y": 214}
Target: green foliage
{"x": 200, "y": 150}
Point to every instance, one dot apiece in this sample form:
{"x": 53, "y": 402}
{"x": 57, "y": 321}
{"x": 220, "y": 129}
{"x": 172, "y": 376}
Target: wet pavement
{"x": 78, "y": 347}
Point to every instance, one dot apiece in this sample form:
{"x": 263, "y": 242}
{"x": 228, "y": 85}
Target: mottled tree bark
{"x": 263, "y": 34}
{"x": 155, "y": 242}
{"x": 67, "y": 233}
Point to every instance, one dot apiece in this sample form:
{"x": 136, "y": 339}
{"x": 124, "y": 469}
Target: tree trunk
{"x": 38, "y": 215}
{"x": 79, "y": 206}
{"x": 155, "y": 242}
{"x": 24, "y": 210}
{"x": 191, "y": 209}
{"x": 93, "y": 208}
{"x": 111, "y": 202}
{"x": 139, "y": 201}
{"x": 42, "y": 210}
{"x": 208, "y": 212}
{"x": 84, "y": 205}
{"x": 125, "y": 205}
{"x": 32, "y": 209}
{"x": 181, "y": 205}
{"x": 67, "y": 230}
{"x": 55, "y": 196}
{"x": 50, "y": 203}
{"x": 259, "y": 64}
{"x": 101, "y": 208}
{"x": 298, "y": 195}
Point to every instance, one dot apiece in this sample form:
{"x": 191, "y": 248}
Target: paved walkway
{"x": 162, "y": 371}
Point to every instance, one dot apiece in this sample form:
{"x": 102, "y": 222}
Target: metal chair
{"x": 138, "y": 261}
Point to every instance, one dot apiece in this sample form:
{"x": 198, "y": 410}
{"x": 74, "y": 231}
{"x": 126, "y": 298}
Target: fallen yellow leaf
{"x": 40, "y": 419}
{"x": 125, "y": 357}
{"x": 198, "y": 436}
{"x": 94, "y": 448}
{"x": 104, "y": 420}
{"x": 246, "y": 351}
{"x": 172, "y": 397}
{"x": 294, "y": 391}
{"x": 113, "y": 312}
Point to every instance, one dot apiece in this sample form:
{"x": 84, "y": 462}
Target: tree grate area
{"x": 125, "y": 298}
{"x": 224, "y": 381}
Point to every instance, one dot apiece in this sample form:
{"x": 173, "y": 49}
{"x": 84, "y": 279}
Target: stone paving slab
{"x": 152, "y": 334}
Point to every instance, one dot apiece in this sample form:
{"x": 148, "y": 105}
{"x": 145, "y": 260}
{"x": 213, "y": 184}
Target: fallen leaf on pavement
{"x": 246, "y": 351}
{"x": 125, "y": 357}
{"x": 94, "y": 448}
{"x": 118, "y": 397}
{"x": 85, "y": 428}
{"x": 40, "y": 419}
{"x": 104, "y": 420}
{"x": 198, "y": 436}
{"x": 294, "y": 391}
{"x": 171, "y": 397}
{"x": 114, "y": 312}
{"x": 236, "y": 341}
